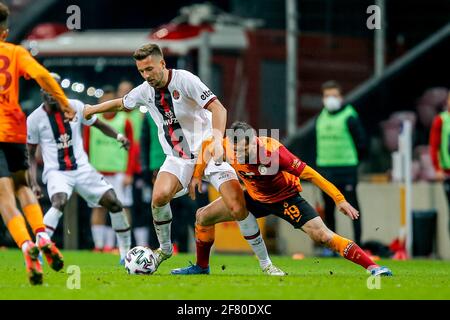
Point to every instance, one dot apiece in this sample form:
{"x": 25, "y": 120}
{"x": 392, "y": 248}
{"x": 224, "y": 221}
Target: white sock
{"x": 51, "y": 219}
{"x": 110, "y": 237}
{"x": 250, "y": 230}
{"x": 141, "y": 236}
{"x": 162, "y": 220}
{"x": 121, "y": 226}
{"x": 25, "y": 246}
{"x": 98, "y": 232}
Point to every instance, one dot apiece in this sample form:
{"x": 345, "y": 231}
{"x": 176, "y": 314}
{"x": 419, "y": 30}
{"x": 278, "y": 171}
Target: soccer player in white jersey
{"x": 186, "y": 113}
{"x": 66, "y": 166}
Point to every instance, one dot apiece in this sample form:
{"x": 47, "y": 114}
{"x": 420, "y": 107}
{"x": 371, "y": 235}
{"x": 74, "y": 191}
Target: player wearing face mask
{"x": 341, "y": 143}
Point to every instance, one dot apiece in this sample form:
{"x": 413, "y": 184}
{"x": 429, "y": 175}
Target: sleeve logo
{"x": 206, "y": 94}
{"x": 296, "y": 163}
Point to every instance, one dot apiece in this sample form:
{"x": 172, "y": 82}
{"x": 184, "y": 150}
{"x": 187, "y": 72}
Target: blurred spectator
{"x": 115, "y": 163}
{"x": 439, "y": 148}
{"x": 124, "y": 87}
{"x": 391, "y": 128}
{"x": 341, "y": 143}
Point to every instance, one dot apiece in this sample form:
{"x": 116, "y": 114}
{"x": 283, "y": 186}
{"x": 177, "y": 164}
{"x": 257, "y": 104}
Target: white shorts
{"x": 86, "y": 181}
{"x": 124, "y": 193}
{"x": 183, "y": 170}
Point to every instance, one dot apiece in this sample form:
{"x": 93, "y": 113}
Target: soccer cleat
{"x": 192, "y": 269}
{"x": 272, "y": 270}
{"x": 160, "y": 256}
{"x": 51, "y": 252}
{"x": 32, "y": 264}
{"x": 381, "y": 271}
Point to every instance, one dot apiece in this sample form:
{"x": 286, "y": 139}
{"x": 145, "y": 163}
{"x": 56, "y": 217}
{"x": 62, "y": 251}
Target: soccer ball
{"x": 140, "y": 260}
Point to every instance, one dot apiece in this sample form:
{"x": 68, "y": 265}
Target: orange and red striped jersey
{"x": 16, "y": 62}
{"x": 275, "y": 175}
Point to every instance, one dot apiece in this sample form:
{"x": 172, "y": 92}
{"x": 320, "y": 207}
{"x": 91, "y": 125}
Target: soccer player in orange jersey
{"x": 271, "y": 175}
{"x": 16, "y": 62}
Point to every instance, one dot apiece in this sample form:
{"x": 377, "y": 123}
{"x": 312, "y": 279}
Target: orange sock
{"x": 18, "y": 230}
{"x": 33, "y": 213}
{"x": 205, "y": 233}
{"x": 204, "y": 239}
{"x": 350, "y": 251}
{"x": 338, "y": 244}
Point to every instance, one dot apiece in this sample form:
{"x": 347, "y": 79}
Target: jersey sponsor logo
{"x": 206, "y": 94}
{"x": 176, "y": 94}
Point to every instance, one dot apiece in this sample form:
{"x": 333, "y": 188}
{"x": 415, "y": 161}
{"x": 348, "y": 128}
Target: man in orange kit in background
{"x": 16, "y": 62}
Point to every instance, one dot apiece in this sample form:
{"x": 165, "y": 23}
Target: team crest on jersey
{"x": 64, "y": 141}
{"x": 176, "y": 94}
{"x": 262, "y": 169}
{"x": 169, "y": 114}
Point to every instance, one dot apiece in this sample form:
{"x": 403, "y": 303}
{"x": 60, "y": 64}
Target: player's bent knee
{"x": 116, "y": 207}
{"x": 238, "y": 210}
{"x": 160, "y": 199}
{"x": 59, "y": 201}
{"x": 113, "y": 205}
{"x": 201, "y": 217}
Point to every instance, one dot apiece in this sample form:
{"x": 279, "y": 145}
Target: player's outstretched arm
{"x": 30, "y": 67}
{"x": 32, "y": 171}
{"x": 107, "y": 106}
{"x": 330, "y": 189}
{"x": 109, "y": 131}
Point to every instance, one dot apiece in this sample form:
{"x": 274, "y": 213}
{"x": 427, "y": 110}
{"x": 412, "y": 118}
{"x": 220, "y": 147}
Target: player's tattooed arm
{"x": 114, "y": 105}
{"x": 32, "y": 172}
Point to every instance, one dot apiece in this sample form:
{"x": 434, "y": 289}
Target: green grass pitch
{"x": 234, "y": 277}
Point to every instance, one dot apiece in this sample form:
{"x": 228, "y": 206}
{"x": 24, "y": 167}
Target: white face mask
{"x": 332, "y": 103}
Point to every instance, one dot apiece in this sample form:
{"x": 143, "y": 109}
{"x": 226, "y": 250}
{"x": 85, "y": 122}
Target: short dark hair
{"x": 146, "y": 50}
{"x": 331, "y": 84}
{"x": 4, "y": 14}
{"x": 108, "y": 89}
{"x": 240, "y": 130}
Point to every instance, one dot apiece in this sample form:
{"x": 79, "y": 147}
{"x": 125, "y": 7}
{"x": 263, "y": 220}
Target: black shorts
{"x": 13, "y": 158}
{"x": 295, "y": 210}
